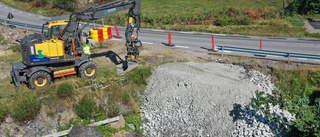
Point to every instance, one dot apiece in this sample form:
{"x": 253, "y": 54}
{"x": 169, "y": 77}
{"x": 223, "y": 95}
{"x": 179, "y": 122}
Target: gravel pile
{"x": 207, "y": 99}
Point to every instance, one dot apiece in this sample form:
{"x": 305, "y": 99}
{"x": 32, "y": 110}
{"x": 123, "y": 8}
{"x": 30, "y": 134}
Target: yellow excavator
{"x": 59, "y": 51}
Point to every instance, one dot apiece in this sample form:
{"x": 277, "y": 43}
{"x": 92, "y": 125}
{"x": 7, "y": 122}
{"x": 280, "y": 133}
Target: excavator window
{"x": 56, "y": 30}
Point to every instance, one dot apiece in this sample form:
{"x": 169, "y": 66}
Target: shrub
{"x": 3, "y": 111}
{"x": 107, "y": 131}
{"x": 303, "y": 7}
{"x": 3, "y": 41}
{"x": 140, "y": 75}
{"x": 26, "y": 109}
{"x": 226, "y": 20}
{"x": 65, "y": 90}
{"x": 67, "y": 5}
{"x": 16, "y": 49}
{"x": 113, "y": 109}
{"x": 99, "y": 113}
{"x": 300, "y": 96}
{"x": 136, "y": 120}
{"x": 84, "y": 108}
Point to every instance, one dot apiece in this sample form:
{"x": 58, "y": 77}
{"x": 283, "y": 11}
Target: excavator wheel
{"x": 88, "y": 70}
{"x": 39, "y": 79}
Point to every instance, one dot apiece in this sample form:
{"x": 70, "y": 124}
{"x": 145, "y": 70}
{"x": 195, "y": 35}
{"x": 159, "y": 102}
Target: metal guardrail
{"x": 27, "y": 26}
{"x": 268, "y": 52}
{"x": 63, "y": 17}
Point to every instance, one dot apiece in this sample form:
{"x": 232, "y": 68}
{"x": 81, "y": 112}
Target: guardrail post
{"x": 27, "y": 27}
{"x": 222, "y": 50}
{"x": 288, "y": 58}
{"x": 102, "y": 22}
{"x": 5, "y": 23}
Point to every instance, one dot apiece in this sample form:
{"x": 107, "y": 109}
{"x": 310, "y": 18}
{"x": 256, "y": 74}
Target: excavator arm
{"x": 72, "y": 30}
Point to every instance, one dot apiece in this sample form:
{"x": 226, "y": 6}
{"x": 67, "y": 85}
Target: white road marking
{"x": 20, "y": 12}
{"x": 220, "y": 34}
{"x": 316, "y": 60}
{"x": 158, "y": 30}
{"x": 181, "y": 47}
{"x": 13, "y": 10}
{"x": 147, "y": 43}
{"x": 226, "y": 51}
{"x": 187, "y": 32}
{"x": 0, "y": 5}
{"x": 6, "y": 7}
{"x": 30, "y": 14}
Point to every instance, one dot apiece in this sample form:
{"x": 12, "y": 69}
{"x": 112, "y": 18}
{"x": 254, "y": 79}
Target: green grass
{"x": 189, "y": 15}
{"x": 26, "y": 109}
{"x": 46, "y": 11}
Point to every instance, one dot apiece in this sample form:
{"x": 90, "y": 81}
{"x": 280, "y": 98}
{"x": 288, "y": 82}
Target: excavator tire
{"x": 88, "y": 70}
{"x": 39, "y": 79}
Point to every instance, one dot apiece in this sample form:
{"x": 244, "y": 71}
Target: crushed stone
{"x": 207, "y": 99}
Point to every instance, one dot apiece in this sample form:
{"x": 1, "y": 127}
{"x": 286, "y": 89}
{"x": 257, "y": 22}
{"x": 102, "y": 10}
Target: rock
{"x": 9, "y": 120}
{"x": 54, "y": 131}
{"x": 118, "y": 124}
{"x": 85, "y": 131}
{"x": 132, "y": 126}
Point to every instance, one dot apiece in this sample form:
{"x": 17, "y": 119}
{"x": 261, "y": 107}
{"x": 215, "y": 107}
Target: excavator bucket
{"x": 126, "y": 67}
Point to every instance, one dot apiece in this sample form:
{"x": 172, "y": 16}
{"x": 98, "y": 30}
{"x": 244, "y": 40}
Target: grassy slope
{"x": 157, "y": 13}
{"x": 178, "y": 7}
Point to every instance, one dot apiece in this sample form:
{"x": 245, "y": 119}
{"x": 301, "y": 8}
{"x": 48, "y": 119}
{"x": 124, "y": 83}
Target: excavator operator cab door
{"x": 56, "y": 30}
{"x": 45, "y": 30}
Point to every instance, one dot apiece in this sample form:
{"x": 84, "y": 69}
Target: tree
{"x": 68, "y": 5}
{"x": 303, "y": 7}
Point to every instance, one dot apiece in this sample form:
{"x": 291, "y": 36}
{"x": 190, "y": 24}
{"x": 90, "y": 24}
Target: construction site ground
{"x": 170, "y": 60}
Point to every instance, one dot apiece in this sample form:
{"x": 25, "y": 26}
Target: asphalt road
{"x": 191, "y": 40}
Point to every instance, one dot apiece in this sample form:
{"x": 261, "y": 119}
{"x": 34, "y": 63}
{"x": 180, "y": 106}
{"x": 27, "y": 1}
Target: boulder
{"x": 84, "y": 131}
{"x": 118, "y": 124}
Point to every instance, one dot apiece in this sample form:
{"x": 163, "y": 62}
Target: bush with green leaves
{"x": 67, "y": 5}
{"x": 303, "y": 7}
{"x": 140, "y": 75}
{"x": 3, "y": 111}
{"x": 65, "y": 90}
{"x": 300, "y": 95}
{"x": 107, "y": 131}
{"x": 136, "y": 120}
{"x": 85, "y": 107}
{"x": 113, "y": 109}
{"x": 26, "y": 109}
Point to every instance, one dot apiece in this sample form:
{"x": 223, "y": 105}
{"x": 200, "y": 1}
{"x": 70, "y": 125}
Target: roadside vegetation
{"x": 89, "y": 99}
{"x": 299, "y": 93}
{"x": 103, "y": 96}
{"x": 245, "y": 17}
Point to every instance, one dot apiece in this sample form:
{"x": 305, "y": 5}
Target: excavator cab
{"x": 54, "y": 28}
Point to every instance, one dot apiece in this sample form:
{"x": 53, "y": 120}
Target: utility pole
{"x": 284, "y": 1}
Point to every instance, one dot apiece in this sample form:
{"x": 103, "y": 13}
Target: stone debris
{"x": 118, "y": 124}
{"x": 207, "y": 99}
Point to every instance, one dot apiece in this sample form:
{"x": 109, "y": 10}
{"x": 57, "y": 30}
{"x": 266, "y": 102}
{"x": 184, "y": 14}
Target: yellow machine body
{"x": 50, "y": 48}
